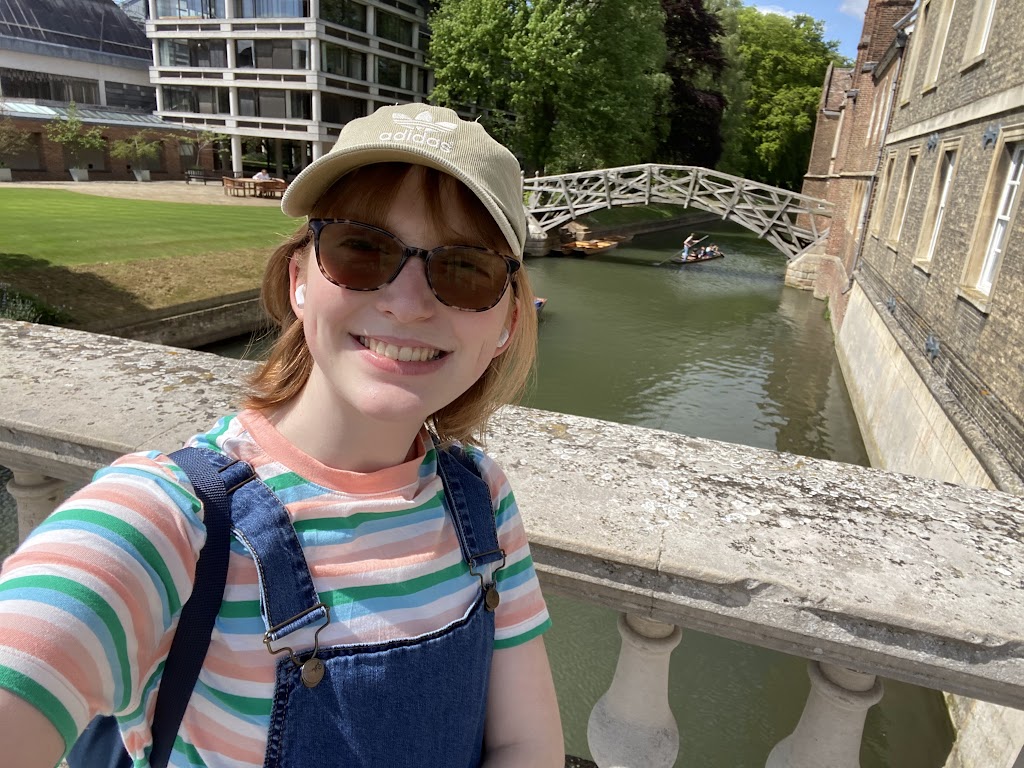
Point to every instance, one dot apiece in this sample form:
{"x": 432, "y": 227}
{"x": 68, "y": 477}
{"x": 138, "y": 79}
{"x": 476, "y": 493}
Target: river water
{"x": 721, "y": 350}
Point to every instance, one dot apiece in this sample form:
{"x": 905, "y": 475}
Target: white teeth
{"x": 393, "y": 352}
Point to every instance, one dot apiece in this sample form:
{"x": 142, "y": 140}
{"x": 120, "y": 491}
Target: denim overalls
{"x": 418, "y": 702}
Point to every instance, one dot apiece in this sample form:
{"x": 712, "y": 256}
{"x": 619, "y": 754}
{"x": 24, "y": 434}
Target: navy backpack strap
{"x": 469, "y": 499}
{"x": 214, "y": 478}
{"x": 195, "y": 625}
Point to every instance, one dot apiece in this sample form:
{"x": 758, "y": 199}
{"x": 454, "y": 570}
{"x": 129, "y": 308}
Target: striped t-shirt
{"x": 89, "y": 601}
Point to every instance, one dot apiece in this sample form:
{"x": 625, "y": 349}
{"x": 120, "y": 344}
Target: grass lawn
{"x": 101, "y": 257}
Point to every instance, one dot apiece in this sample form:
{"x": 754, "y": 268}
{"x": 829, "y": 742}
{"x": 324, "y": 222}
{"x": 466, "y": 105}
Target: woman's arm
{"x": 523, "y": 725}
{"x": 27, "y": 738}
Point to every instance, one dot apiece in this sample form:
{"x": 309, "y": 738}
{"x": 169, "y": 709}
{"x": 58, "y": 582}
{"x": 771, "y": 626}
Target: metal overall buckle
{"x": 491, "y": 596}
{"x": 312, "y": 669}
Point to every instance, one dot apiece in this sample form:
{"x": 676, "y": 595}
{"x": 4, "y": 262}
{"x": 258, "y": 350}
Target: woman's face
{"x": 396, "y": 354}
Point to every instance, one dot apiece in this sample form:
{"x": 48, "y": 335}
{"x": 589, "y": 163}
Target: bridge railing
{"x": 790, "y": 221}
{"x": 866, "y": 574}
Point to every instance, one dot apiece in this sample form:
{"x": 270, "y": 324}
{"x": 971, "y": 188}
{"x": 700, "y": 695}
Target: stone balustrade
{"x": 867, "y": 574}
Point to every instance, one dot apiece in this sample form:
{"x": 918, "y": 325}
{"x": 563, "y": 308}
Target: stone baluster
{"x": 832, "y": 724}
{"x": 632, "y": 724}
{"x": 36, "y": 497}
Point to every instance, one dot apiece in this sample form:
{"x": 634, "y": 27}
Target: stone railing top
{"x": 908, "y": 578}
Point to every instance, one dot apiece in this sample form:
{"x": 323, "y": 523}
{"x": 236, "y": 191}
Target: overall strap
{"x": 469, "y": 500}
{"x": 288, "y": 599}
{"x": 209, "y": 474}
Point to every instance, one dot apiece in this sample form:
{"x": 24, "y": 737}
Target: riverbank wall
{"x": 912, "y": 424}
{"x": 192, "y": 325}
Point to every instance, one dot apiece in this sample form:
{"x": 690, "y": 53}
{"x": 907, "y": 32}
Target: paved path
{"x": 165, "y": 191}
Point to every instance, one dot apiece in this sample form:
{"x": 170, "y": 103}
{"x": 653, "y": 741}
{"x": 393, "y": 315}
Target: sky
{"x": 843, "y": 18}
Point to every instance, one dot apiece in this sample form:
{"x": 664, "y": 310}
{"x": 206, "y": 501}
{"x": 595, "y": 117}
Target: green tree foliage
{"x": 138, "y": 149}
{"x": 71, "y": 133}
{"x": 694, "y": 64}
{"x": 772, "y": 87}
{"x": 568, "y": 84}
{"x": 13, "y": 140}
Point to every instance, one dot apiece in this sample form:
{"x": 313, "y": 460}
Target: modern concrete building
{"x": 924, "y": 266}
{"x": 281, "y": 77}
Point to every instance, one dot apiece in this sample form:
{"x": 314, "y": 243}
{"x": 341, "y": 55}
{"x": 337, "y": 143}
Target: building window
{"x": 131, "y": 96}
{"x": 197, "y": 99}
{"x": 942, "y": 16}
{"x": 272, "y": 54}
{"x": 194, "y": 53}
{"x": 912, "y": 51}
{"x": 340, "y": 109}
{"x": 347, "y": 13}
{"x": 343, "y": 62}
{"x": 937, "y": 203}
{"x": 271, "y": 9}
{"x": 981, "y": 29}
{"x": 394, "y": 28}
{"x": 393, "y": 73}
{"x": 883, "y": 191}
{"x": 275, "y": 103}
{"x": 997, "y": 214}
{"x": 906, "y": 188}
{"x": 23, "y": 84}
{"x": 190, "y": 9}
{"x": 301, "y": 103}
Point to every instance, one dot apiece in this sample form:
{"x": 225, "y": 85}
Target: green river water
{"x": 720, "y": 350}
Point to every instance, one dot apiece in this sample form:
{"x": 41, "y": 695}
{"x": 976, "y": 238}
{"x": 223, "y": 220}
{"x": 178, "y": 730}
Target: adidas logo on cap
{"x": 419, "y": 130}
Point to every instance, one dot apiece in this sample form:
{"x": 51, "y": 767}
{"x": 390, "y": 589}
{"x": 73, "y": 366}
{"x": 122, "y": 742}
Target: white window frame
{"x": 931, "y": 73}
{"x": 1009, "y": 199}
{"x": 979, "y": 33}
{"x": 945, "y": 172}
{"x": 903, "y": 199}
{"x": 995, "y": 219}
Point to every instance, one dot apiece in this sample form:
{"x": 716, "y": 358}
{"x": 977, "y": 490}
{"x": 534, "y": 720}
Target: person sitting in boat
{"x": 688, "y": 243}
{"x": 710, "y": 251}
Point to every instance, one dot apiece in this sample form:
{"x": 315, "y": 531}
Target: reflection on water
{"x": 721, "y": 350}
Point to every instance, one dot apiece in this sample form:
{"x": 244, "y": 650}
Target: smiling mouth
{"x": 403, "y": 354}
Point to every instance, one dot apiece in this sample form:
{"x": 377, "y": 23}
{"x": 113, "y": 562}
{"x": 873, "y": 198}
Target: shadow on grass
{"x": 84, "y": 298}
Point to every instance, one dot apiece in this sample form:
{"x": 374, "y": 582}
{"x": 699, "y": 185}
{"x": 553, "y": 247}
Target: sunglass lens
{"x": 467, "y": 278}
{"x": 358, "y": 257}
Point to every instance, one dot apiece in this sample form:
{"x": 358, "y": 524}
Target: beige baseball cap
{"x": 422, "y": 135}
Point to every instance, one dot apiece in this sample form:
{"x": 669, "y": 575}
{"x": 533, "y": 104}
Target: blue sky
{"x": 843, "y": 18}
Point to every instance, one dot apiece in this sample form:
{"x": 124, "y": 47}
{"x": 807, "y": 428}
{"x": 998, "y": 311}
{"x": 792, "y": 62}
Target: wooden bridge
{"x": 788, "y": 220}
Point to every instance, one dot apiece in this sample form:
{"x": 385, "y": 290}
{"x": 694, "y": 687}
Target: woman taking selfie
{"x": 379, "y": 604}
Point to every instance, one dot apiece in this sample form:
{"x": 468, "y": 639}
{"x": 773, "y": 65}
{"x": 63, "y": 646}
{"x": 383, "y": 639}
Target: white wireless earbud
{"x": 503, "y": 338}
{"x": 300, "y": 296}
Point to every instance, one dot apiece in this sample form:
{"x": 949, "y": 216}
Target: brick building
{"x": 924, "y": 265}
{"x": 53, "y": 52}
{"x": 923, "y": 158}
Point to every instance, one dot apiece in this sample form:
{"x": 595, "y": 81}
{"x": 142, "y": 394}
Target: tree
{"x": 201, "y": 139}
{"x": 136, "y": 149}
{"x": 779, "y": 64}
{"x": 694, "y": 63}
{"x": 13, "y": 140}
{"x": 71, "y": 133}
{"x": 541, "y": 70}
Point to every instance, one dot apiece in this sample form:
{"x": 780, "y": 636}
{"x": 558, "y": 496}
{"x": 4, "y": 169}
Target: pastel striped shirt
{"x": 89, "y": 602}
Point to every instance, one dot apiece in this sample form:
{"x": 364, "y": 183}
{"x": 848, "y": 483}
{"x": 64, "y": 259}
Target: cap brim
{"x": 319, "y": 176}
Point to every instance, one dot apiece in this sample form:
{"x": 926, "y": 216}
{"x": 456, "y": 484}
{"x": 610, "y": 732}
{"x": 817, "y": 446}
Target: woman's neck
{"x": 340, "y": 439}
